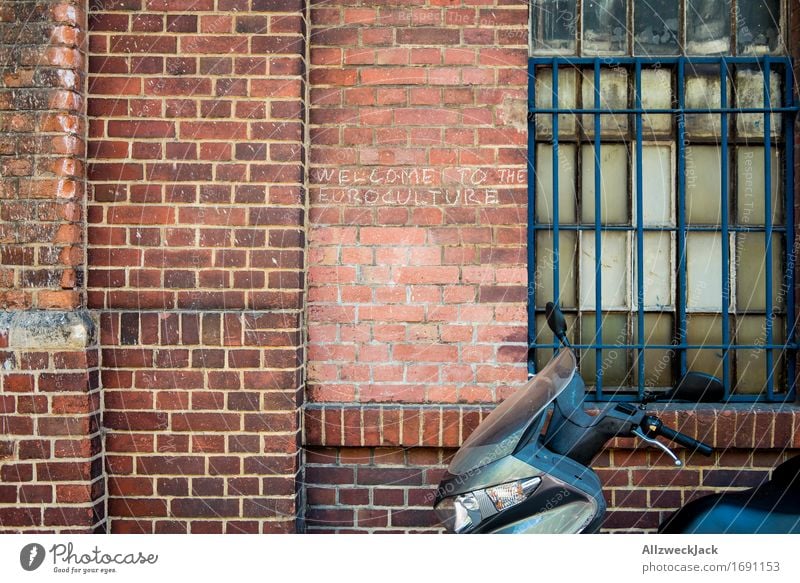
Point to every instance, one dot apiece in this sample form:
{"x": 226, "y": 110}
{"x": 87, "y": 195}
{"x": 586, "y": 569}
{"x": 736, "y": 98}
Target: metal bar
{"x": 531, "y": 234}
{"x": 634, "y": 398}
{"x": 789, "y": 237}
{"x": 620, "y": 110}
{"x": 768, "y": 224}
{"x": 611, "y": 61}
{"x": 637, "y": 345}
{"x": 725, "y": 267}
{"x": 637, "y": 87}
{"x": 556, "y": 235}
{"x": 689, "y": 228}
{"x": 681, "y": 130}
{"x": 598, "y": 245}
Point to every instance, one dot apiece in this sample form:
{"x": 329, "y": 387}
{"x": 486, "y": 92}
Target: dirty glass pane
{"x": 655, "y": 24}
{"x": 750, "y": 186}
{"x": 613, "y": 95}
{"x": 566, "y": 184}
{"x": 702, "y": 91}
{"x": 656, "y": 94}
{"x": 758, "y": 31}
{"x": 657, "y": 186}
{"x": 567, "y": 276}
{"x": 614, "y": 198}
{"x": 704, "y": 271}
{"x": 658, "y": 270}
{"x": 751, "y": 365}
{"x": 751, "y": 272}
{"x": 615, "y": 363}
{"x": 613, "y": 270}
{"x": 658, "y": 363}
{"x": 605, "y": 26}
{"x": 708, "y": 27}
{"x": 545, "y": 335}
{"x": 703, "y": 184}
{"x": 553, "y": 26}
{"x": 704, "y": 329}
{"x": 567, "y": 99}
{"x": 750, "y": 93}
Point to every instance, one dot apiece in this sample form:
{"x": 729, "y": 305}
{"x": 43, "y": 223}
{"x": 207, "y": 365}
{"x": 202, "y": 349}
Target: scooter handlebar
{"x": 656, "y": 427}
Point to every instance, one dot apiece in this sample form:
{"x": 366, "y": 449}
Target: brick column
{"x": 51, "y": 476}
{"x": 196, "y": 249}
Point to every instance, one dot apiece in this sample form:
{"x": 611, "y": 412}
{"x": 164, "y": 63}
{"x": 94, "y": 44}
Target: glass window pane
{"x": 656, "y": 94}
{"x": 567, "y": 99}
{"x": 704, "y": 271}
{"x": 605, "y": 26}
{"x": 703, "y": 91}
{"x": 703, "y": 185}
{"x": 704, "y": 329}
{"x": 656, "y": 27}
{"x": 751, "y": 365}
{"x": 751, "y": 272}
{"x": 567, "y": 251}
{"x": 758, "y": 31}
{"x": 553, "y": 26}
{"x": 614, "y": 363}
{"x": 614, "y": 198}
{"x": 750, "y": 186}
{"x": 657, "y": 250}
{"x": 658, "y": 363}
{"x": 750, "y": 93}
{"x": 613, "y": 270}
{"x": 657, "y": 186}
{"x": 708, "y": 27}
{"x": 566, "y": 184}
{"x": 544, "y": 335}
{"x": 613, "y": 95}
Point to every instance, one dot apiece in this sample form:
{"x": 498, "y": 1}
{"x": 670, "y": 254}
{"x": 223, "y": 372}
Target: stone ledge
{"x": 46, "y": 330}
{"x": 741, "y": 425}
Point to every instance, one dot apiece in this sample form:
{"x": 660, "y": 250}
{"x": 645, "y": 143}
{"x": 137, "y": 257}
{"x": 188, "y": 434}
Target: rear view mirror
{"x": 697, "y": 387}
{"x": 556, "y": 322}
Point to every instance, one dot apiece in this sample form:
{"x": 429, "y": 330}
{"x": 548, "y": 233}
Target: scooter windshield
{"x": 499, "y": 433}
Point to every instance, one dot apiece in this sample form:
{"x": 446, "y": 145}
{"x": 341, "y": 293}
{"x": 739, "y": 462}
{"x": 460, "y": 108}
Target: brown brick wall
{"x": 196, "y": 214}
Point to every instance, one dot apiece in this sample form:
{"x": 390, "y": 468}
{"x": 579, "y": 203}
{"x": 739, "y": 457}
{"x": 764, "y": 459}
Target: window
{"x": 660, "y": 141}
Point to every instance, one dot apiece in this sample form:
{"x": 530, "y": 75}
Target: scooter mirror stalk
{"x": 557, "y": 322}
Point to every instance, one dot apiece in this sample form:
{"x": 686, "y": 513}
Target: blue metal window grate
{"x": 574, "y": 247}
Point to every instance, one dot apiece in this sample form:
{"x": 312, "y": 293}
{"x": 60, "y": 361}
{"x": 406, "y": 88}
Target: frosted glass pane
{"x": 615, "y": 361}
{"x": 658, "y": 329}
{"x": 613, "y": 270}
{"x": 614, "y": 199}
{"x": 751, "y": 272}
{"x": 613, "y": 95}
{"x": 703, "y": 184}
{"x": 656, "y": 94}
{"x": 657, "y": 186}
{"x": 751, "y": 365}
{"x": 704, "y": 330}
{"x": 657, "y": 270}
{"x": 655, "y": 27}
{"x": 567, "y": 99}
{"x": 708, "y": 27}
{"x": 704, "y": 271}
{"x": 750, "y": 186}
{"x": 544, "y": 336}
{"x": 566, "y": 183}
{"x": 758, "y": 32}
{"x": 553, "y": 26}
{"x": 605, "y": 26}
{"x": 566, "y": 268}
{"x": 750, "y": 93}
{"x": 702, "y": 91}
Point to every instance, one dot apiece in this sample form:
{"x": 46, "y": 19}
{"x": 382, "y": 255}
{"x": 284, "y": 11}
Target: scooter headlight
{"x": 464, "y": 512}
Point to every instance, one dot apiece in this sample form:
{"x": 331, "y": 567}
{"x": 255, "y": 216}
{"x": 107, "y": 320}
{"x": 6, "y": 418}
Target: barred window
{"x": 660, "y": 149}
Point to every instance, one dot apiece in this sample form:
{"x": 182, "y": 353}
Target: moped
{"x": 514, "y": 475}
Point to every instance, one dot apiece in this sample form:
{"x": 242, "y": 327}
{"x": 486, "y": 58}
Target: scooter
{"x": 513, "y": 476}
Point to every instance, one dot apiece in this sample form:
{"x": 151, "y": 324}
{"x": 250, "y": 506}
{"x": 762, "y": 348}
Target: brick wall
{"x": 196, "y": 214}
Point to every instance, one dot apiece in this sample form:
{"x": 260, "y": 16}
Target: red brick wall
{"x": 196, "y": 214}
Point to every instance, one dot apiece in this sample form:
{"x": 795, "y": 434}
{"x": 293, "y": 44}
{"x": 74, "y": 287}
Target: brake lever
{"x": 638, "y": 433}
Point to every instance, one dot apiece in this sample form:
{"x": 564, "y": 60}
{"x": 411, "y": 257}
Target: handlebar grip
{"x": 685, "y": 440}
